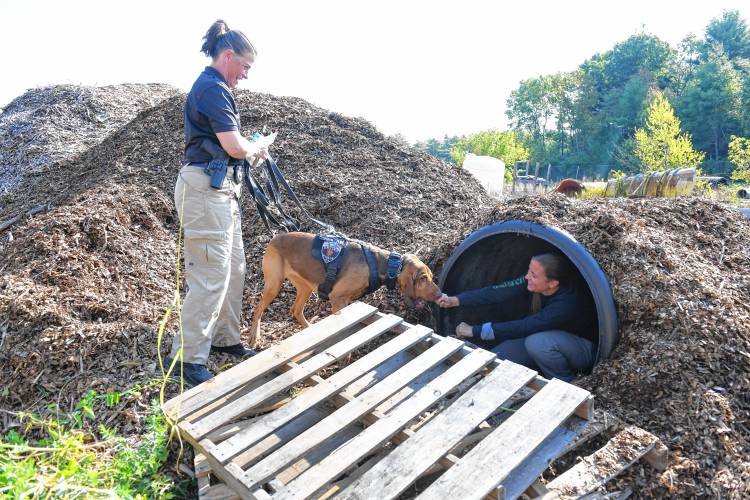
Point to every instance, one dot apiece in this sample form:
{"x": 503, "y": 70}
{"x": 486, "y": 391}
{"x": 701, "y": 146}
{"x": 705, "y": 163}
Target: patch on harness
{"x": 331, "y": 249}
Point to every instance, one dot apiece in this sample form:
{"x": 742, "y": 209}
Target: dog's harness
{"x": 395, "y": 263}
{"x": 330, "y": 250}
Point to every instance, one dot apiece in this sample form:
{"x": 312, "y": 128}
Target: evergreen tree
{"x": 731, "y": 33}
{"x": 711, "y": 102}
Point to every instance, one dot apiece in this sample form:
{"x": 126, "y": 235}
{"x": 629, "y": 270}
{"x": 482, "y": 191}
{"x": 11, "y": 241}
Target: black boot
{"x": 236, "y": 350}
{"x": 193, "y": 374}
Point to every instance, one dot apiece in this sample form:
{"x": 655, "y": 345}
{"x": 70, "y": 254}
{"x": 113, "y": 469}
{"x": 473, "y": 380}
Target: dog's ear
{"x": 406, "y": 278}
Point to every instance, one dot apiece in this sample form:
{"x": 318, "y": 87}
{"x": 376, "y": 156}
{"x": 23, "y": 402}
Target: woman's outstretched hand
{"x": 446, "y": 301}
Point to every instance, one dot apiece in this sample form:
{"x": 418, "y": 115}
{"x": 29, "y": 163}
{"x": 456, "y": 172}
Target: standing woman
{"x": 210, "y": 218}
{"x": 556, "y": 338}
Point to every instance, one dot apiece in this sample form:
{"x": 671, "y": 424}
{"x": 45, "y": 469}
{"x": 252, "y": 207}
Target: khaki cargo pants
{"x": 214, "y": 264}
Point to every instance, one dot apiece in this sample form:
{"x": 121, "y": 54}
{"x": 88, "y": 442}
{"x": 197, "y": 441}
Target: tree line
{"x": 639, "y": 106}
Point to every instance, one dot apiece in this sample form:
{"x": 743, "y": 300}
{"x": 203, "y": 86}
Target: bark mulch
{"x": 50, "y": 124}
{"x": 679, "y": 273}
{"x": 85, "y": 283}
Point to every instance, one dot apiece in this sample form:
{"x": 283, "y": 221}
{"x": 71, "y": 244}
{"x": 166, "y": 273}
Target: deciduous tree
{"x": 739, "y": 154}
{"x": 660, "y": 145}
{"x": 505, "y": 146}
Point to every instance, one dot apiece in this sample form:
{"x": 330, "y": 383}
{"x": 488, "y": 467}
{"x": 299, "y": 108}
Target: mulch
{"x": 679, "y": 274}
{"x": 84, "y": 284}
{"x": 51, "y": 124}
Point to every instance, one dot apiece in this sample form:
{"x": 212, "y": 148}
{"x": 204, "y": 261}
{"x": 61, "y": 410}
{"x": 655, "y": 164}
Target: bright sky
{"x": 419, "y": 68}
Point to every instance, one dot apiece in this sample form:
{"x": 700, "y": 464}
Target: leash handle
{"x": 274, "y": 183}
{"x": 276, "y": 173}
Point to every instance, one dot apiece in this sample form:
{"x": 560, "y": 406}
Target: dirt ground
{"x": 85, "y": 282}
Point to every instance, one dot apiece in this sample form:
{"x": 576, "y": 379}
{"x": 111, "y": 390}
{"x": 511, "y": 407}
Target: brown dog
{"x": 289, "y": 256}
{"x": 570, "y": 188}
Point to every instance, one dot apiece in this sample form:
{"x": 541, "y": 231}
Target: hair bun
{"x": 218, "y": 29}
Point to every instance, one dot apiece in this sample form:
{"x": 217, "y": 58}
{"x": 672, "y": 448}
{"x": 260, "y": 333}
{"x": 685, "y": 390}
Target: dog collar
{"x": 395, "y": 262}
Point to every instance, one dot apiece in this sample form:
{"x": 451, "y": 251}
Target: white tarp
{"x": 489, "y": 171}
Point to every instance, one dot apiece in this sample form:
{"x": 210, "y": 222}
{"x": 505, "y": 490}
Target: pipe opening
{"x": 502, "y": 251}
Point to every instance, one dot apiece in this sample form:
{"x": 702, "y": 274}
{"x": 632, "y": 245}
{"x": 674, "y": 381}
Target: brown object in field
{"x": 570, "y": 188}
{"x": 289, "y": 256}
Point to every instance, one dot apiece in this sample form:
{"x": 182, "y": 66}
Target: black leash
{"x": 265, "y": 197}
{"x": 271, "y": 196}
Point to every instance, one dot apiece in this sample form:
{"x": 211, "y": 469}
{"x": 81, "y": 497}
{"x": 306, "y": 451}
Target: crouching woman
{"x": 556, "y": 338}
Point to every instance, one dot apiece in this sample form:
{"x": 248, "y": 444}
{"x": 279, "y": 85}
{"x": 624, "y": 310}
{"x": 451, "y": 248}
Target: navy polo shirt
{"x": 209, "y": 109}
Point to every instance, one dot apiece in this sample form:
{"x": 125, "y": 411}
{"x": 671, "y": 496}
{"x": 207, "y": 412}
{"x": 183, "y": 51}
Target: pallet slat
{"x": 287, "y": 379}
{"x": 266, "y": 361}
{"x": 618, "y": 454}
{"x": 535, "y": 464}
{"x": 509, "y": 444}
{"x": 405, "y": 464}
{"x": 347, "y": 414}
{"x": 382, "y": 430}
{"x": 422, "y": 394}
{"x": 280, "y": 436}
{"x": 335, "y": 383}
{"x": 304, "y": 464}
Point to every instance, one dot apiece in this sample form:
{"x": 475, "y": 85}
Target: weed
{"x": 69, "y": 459}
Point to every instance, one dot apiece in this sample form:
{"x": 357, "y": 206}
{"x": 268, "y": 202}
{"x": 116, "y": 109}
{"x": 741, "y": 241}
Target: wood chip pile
{"x": 85, "y": 283}
{"x": 51, "y": 124}
{"x": 679, "y": 273}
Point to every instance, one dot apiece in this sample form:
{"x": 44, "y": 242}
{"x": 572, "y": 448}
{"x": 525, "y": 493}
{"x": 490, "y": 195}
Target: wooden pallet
{"x": 414, "y": 406}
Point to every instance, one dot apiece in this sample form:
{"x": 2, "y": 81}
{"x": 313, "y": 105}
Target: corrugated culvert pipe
{"x": 501, "y": 251}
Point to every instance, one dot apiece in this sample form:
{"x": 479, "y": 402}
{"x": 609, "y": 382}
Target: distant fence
{"x": 549, "y": 175}
{"x": 598, "y": 173}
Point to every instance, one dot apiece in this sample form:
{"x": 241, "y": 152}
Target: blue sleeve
{"x": 553, "y": 316}
{"x": 217, "y": 105}
{"x": 493, "y": 294}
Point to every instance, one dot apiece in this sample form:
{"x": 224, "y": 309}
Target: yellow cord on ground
{"x": 176, "y": 303}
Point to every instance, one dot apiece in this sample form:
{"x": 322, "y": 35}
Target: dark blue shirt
{"x": 209, "y": 109}
{"x": 564, "y": 310}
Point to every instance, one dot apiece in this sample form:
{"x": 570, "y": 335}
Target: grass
{"x": 73, "y": 456}
{"x": 593, "y": 190}
{"x": 725, "y": 194}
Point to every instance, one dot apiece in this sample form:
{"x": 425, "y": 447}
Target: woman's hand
{"x": 464, "y": 330}
{"x": 258, "y": 151}
{"x": 446, "y": 301}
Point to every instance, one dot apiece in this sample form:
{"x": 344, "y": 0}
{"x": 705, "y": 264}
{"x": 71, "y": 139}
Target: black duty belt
{"x": 264, "y": 194}
{"x": 204, "y": 164}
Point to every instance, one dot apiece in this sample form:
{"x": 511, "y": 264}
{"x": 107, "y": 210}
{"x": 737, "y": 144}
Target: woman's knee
{"x": 539, "y": 343}
{"x": 513, "y": 350}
